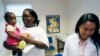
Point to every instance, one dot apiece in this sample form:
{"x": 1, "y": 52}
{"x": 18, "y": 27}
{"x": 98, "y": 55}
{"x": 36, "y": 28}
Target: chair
{"x": 50, "y": 50}
{"x": 51, "y": 47}
{"x": 59, "y": 54}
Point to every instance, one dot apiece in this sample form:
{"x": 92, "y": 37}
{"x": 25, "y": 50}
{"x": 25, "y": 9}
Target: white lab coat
{"x": 71, "y": 47}
{"x": 37, "y": 34}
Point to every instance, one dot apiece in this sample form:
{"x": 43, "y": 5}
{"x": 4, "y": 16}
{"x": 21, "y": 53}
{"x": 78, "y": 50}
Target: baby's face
{"x": 12, "y": 18}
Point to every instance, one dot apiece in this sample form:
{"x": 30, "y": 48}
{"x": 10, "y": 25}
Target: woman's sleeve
{"x": 43, "y": 37}
{"x": 65, "y": 53}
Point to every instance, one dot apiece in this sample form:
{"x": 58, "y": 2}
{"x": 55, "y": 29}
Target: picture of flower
{"x": 53, "y": 23}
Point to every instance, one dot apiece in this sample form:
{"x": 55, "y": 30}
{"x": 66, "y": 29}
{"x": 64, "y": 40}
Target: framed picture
{"x": 53, "y": 23}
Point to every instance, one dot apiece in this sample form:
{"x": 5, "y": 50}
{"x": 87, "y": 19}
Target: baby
{"x": 15, "y": 39}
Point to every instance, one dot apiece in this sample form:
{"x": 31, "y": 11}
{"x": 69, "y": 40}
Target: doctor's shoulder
{"x": 72, "y": 37}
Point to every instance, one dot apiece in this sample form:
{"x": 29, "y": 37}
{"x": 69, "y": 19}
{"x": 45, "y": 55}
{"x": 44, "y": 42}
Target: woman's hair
{"x": 95, "y": 38}
{"x": 7, "y": 16}
{"x": 33, "y": 13}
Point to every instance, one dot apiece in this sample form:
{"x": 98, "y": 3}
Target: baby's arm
{"x": 10, "y": 31}
{"x": 13, "y": 35}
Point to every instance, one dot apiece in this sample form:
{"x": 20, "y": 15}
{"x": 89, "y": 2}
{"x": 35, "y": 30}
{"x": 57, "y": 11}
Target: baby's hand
{"x": 26, "y": 35}
{"x": 29, "y": 36}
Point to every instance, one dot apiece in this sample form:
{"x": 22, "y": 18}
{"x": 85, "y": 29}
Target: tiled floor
{"x": 50, "y": 53}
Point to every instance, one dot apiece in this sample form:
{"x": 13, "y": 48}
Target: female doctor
{"x": 39, "y": 37}
{"x": 86, "y": 39}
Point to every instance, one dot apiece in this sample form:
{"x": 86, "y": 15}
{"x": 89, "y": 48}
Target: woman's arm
{"x": 40, "y": 40}
{"x": 38, "y": 44}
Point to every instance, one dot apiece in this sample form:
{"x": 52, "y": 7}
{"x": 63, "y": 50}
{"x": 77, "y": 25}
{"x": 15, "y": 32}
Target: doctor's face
{"x": 86, "y": 29}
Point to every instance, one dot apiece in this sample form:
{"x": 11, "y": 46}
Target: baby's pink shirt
{"x": 16, "y": 31}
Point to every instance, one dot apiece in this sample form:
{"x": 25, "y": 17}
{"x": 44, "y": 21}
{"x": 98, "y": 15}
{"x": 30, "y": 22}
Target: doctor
{"x": 86, "y": 39}
{"x": 39, "y": 37}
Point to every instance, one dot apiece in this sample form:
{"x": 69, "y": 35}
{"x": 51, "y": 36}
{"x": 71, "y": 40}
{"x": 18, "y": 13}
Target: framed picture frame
{"x": 53, "y": 24}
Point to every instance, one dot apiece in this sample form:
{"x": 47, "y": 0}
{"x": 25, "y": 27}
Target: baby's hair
{"x": 7, "y": 16}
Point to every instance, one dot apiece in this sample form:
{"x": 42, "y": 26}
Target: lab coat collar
{"x": 88, "y": 40}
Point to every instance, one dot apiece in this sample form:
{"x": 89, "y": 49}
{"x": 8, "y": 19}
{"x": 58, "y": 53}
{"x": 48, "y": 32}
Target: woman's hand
{"x": 27, "y": 37}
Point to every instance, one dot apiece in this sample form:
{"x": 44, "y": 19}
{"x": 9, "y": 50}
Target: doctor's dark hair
{"x": 34, "y": 14}
{"x": 95, "y": 38}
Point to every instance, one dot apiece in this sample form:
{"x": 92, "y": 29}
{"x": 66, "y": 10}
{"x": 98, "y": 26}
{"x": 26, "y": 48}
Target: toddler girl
{"x": 14, "y": 36}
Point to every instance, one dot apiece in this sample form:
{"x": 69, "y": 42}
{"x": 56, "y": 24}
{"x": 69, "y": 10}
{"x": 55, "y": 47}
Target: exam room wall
{"x": 76, "y": 8}
{"x": 2, "y": 24}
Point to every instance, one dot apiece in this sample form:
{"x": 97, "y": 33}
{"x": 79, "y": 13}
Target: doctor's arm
{"x": 65, "y": 52}
{"x": 99, "y": 52}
